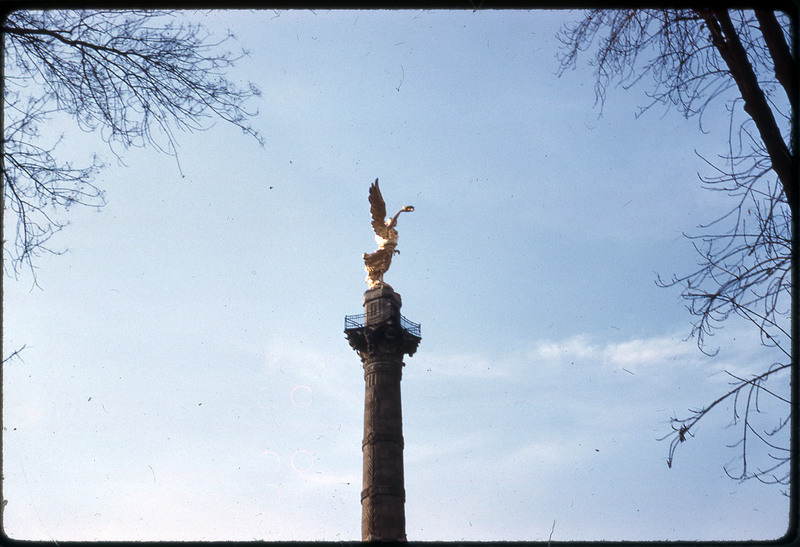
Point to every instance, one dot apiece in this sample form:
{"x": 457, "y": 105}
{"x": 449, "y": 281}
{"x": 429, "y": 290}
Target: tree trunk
{"x": 779, "y": 50}
{"x": 726, "y": 40}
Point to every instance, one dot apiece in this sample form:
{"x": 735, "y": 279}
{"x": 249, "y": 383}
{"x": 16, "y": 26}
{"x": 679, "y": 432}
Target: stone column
{"x": 381, "y": 340}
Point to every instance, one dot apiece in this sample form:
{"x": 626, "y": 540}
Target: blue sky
{"x": 186, "y": 376}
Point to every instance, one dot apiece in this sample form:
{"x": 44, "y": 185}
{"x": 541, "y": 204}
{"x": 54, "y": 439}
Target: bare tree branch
{"x": 15, "y": 354}
{"x": 697, "y": 58}
{"x": 136, "y": 77}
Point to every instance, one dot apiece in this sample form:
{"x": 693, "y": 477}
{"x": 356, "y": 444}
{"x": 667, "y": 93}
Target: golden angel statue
{"x": 385, "y": 235}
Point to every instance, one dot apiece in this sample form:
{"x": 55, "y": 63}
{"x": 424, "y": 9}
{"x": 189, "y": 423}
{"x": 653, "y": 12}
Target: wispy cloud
{"x": 638, "y": 353}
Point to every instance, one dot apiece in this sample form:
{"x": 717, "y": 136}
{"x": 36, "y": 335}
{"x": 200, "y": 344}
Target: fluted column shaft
{"x": 383, "y": 497}
{"x": 381, "y": 341}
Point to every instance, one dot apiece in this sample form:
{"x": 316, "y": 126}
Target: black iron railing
{"x": 357, "y": 321}
{"x": 410, "y": 326}
{"x": 353, "y": 321}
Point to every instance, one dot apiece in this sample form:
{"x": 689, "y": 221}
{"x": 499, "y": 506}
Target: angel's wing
{"x": 378, "y": 209}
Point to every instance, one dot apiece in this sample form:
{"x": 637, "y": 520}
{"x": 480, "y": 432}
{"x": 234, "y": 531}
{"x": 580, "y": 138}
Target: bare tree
{"x": 136, "y": 77}
{"x": 700, "y": 60}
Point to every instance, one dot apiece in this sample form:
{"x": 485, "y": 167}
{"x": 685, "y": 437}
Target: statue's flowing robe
{"x": 377, "y": 263}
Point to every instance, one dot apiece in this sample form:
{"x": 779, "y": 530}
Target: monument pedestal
{"x": 381, "y": 337}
